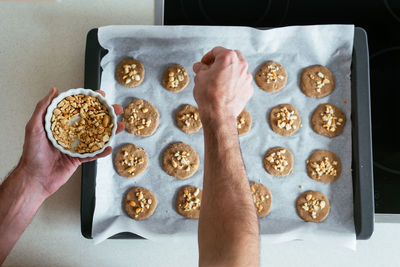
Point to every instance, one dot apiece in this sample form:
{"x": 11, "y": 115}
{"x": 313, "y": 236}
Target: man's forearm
{"x": 228, "y": 221}
{"x": 19, "y": 200}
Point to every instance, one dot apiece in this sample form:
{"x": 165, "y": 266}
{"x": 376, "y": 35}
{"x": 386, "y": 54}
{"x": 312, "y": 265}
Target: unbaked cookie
{"x": 278, "y": 161}
{"x": 130, "y": 161}
{"x": 140, "y": 118}
{"x": 140, "y": 203}
{"x": 188, "y": 119}
{"x": 180, "y": 160}
{"x": 271, "y": 77}
{"x": 188, "y": 202}
{"x": 312, "y": 206}
{"x": 284, "y": 119}
{"x": 243, "y": 122}
{"x": 328, "y": 120}
{"x": 175, "y": 78}
{"x": 317, "y": 81}
{"x": 130, "y": 72}
{"x": 262, "y": 198}
{"x": 323, "y": 166}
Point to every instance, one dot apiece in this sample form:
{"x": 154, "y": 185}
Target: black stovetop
{"x": 381, "y": 20}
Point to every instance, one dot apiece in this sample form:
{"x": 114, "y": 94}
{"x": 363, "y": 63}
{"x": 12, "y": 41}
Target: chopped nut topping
{"x": 137, "y": 118}
{"x": 143, "y": 203}
{"x": 272, "y": 76}
{"x": 324, "y": 167}
{"x": 93, "y": 130}
{"x": 131, "y": 161}
{"x": 240, "y": 121}
{"x": 181, "y": 160}
{"x": 330, "y": 121}
{"x": 278, "y": 160}
{"x": 189, "y": 118}
{"x": 130, "y": 73}
{"x": 320, "y": 80}
{"x": 286, "y": 119}
{"x": 258, "y": 198}
{"x": 191, "y": 201}
{"x": 175, "y": 78}
{"x": 313, "y": 205}
{"x": 253, "y": 189}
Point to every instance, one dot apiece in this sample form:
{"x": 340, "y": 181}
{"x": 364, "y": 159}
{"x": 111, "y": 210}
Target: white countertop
{"x": 42, "y": 45}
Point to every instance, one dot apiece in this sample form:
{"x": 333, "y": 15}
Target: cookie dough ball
{"x": 278, "y": 161}
{"x": 243, "y": 122}
{"x": 140, "y": 118}
{"x": 271, "y": 77}
{"x": 262, "y": 198}
{"x": 323, "y": 166}
{"x": 284, "y": 119}
{"x": 188, "y": 202}
{"x": 328, "y": 120}
{"x": 175, "y": 78}
{"x": 130, "y": 72}
{"x": 317, "y": 81}
{"x": 188, "y": 119}
{"x": 130, "y": 161}
{"x": 180, "y": 160}
{"x": 312, "y": 206}
{"x": 140, "y": 203}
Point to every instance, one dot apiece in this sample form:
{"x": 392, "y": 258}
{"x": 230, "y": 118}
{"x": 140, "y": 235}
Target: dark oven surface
{"x": 381, "y": 20}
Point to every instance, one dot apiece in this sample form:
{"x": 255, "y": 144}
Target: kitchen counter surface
{"x": 42, "y": 45}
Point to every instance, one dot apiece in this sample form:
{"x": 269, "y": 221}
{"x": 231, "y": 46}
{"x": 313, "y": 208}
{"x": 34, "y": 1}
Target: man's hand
{"x": 44, "y": 164}
{"x": 222, "y": 84}
{"x": 40, "y": 172}
{"x": 228, "y": 225}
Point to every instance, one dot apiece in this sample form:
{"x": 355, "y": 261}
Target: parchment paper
{"x": 293, "y": 47}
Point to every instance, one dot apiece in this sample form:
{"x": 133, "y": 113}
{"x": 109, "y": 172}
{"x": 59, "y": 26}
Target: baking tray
{"x": 361, "y": 138}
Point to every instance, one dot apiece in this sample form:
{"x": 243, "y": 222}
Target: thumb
{"x": 41, "y": 107}
{"x": 198, "y": 66}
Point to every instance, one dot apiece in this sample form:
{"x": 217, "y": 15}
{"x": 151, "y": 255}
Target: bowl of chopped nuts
{"x": 80, "y": 123}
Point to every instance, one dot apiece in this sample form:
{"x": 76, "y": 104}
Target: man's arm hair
{"x": 228, "y": 225}
{"x": 19, "y": 201}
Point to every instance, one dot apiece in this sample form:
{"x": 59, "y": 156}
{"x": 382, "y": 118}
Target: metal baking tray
{"x": 361, "y": 138}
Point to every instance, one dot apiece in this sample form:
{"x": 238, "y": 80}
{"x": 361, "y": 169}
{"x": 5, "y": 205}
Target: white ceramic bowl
{"x": 78, "y": 91}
